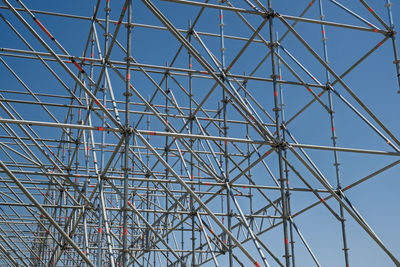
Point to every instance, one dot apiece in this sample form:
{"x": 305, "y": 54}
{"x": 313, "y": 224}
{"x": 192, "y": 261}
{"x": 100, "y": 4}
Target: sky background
{"x": 374, "y": 82}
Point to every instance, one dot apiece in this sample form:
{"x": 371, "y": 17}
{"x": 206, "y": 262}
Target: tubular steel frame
{"x": 190, "y": 167}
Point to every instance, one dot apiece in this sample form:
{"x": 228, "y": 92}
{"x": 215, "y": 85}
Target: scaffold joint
{"x": 390, "y": 33}
{"x": 282, "y": 145}
{"x": 127, "y": 130}
{"x": 270, "y": 14}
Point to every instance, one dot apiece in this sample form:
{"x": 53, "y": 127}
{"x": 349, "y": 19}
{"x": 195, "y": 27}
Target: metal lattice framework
{"x": 229, "y": 155}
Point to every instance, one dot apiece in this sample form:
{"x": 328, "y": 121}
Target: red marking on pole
{"x": 92, "y": 55}
{"x": 244, "y": 187}
{"x": 124, "y": 8}
{"x": 257, "y": 264}
{"x": 295, "y": 214}
{"x": 275, "y": 93}
{"x": 100, "y": 128}
{"x": 226, "y": 142}
{"x": 320, "y": 94}
{"x": 192, "y": 177}
{"x": 286, "y": 240}
{"x": 211, "y": 231}
{"x": 389, "y": 142}
{"x": 204, "y": 72}
{"x": 220, "y": 16}
{"x": 59, "y": 217}
{"x": 44, "y": 29}
{"x": 79, "y": 112}
{"x": 76, "y": 180}
{"x": 152, "y": 133}
{"x": 78, "y": 67}
{"x": 370, "y": 10}
{"x": 88, "y": 148}
{"x": 128, "y": 76}
{"x": 375, "y": 30}
{"x": 323, "y": 32}
{"x": 100, "y": 230}
{"x": 97, "y": 102}
{"x": 252, "y": 118}
{"x": 267, "y": 153}
{"x": 322, "y": 200}
{"x": 229, "y": 67}
{"x": 380, "y": 43}
{"x": 311, "y": 3}
{"x": 333, "y": 128}
{"x": 42, "y": 194}
{"x": 309, "y": 89}
{"x": 348, "y": 187}
{"x": 66, "y": 218}
{"x": 190, "y": 66}
{"x": 85, "y": 59}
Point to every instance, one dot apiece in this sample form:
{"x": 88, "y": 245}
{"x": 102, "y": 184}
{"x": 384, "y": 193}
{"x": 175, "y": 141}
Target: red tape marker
{"x": 77, "y": 66}
{"x": 43, "y": 28}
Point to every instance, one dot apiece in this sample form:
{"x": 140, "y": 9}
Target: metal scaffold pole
{"x": 334, "y": 137}
{"x": 127, "y": 136}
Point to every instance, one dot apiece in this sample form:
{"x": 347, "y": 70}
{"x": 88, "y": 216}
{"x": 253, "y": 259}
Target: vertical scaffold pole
{"x": 393, "y": 37}
{"x": 279, "y": 141}
{"x": 167, "y": 91}
{"x": 282, "y": 105}
{"x": 125, "y": 252}
{"x": 225, "y": 132}
{"x": 334, "y": 137}
{"x": 193, "y": 232}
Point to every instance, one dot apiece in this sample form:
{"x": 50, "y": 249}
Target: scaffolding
{"x": 198, "y": 133}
